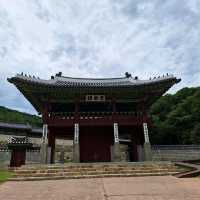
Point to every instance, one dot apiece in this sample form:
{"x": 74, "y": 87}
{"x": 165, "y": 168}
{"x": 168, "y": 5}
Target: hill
{"x": 13, "y": 116}
{"x": 176, "y": 118}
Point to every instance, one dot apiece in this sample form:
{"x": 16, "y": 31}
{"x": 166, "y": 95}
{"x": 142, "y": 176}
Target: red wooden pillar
{"x": 51, "y": 143}
{"x": 114, "y": 110}
{"x": 76, "y": 110}
{"x": 45, "y": 114}
{"x": 114, "y": 106}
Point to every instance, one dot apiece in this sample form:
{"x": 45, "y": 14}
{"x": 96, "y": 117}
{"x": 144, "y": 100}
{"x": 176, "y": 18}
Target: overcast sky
{"x": 90, "y": 38}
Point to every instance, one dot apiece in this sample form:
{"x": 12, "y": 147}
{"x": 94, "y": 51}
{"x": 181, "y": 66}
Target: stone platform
{"x": 93, "y": 170}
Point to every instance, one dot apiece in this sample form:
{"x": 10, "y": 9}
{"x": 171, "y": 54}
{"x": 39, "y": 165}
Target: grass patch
{"x": 4, "y": 175}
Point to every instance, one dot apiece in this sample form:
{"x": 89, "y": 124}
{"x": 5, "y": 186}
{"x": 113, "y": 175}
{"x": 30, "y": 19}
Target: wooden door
{"x": 95, "y": 144}
{"x": 18, "y": 157}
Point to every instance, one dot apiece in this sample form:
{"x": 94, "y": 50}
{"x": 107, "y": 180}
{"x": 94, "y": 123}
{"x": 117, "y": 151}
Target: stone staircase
{"x": 93, "y": 170}
{"x": 192, "y": 170}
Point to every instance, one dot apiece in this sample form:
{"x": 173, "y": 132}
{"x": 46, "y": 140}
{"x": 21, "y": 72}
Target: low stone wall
{"x": 4, "y": 158}
{"x": 175, "y": 152}
{"x": 5, "y": 155}
{"x": 33, "y": 157}
{"x": 159, "y": 153}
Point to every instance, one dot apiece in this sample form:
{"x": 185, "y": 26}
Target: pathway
{"x": 140, "y": 188}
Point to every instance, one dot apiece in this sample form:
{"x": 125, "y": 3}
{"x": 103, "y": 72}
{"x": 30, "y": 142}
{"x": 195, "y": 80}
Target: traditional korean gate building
{"x": 97, "y": 114}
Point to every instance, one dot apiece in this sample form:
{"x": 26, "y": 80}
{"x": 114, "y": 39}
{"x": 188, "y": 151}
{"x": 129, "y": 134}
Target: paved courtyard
{"x": 148, "y": 188}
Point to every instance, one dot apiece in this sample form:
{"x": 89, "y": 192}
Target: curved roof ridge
{"x": 91, "y": 80}
{"x": 87, "y": 78}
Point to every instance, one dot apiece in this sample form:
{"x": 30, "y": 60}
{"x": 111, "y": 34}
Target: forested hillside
{"x": 176, "y": 118}
{"x": 13, "y": 116}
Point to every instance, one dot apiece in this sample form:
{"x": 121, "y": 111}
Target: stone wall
{"x": 175, "y": 152}
{"x": 124, "y": 153}
{"x": 4, "y": 158}
{"x": 63, "y": 151}
{"x": 67, "y": 152}
{"x": 33, "y": 157}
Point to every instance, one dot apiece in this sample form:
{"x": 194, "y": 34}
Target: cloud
{"x": 98, "y": 39}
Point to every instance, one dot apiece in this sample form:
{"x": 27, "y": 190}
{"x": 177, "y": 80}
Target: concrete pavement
{"x": 140, "y": 188}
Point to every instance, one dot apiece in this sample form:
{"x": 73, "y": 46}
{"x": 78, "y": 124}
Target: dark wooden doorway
{"x": 18, "y": 157}
{"x": 95, "y": 144}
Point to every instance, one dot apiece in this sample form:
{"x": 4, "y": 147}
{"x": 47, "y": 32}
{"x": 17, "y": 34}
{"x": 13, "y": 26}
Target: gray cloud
{"x": 98, "y": 38}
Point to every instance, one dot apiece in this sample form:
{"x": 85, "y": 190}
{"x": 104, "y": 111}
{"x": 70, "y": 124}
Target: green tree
{"x": 176, "y": 117}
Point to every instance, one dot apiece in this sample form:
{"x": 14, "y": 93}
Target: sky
{"x": 90, "y": 38}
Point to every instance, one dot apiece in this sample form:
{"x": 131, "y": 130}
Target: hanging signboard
{"x": 94, "y": 98}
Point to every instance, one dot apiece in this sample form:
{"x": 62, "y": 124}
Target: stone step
{"x": 23, "y": 171}
{"x": 88, "y": 168}
{"x": 94, "y": 170}
{"x": 99, "y": 165}
{"x": 94, "y": 167}
{"x": 89, "y": 176}
{"x": 92, "y": 173}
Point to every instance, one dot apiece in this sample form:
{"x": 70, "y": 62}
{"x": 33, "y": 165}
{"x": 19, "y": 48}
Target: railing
{"x": 96, "y": 118}
{"x": 71, "y": 115}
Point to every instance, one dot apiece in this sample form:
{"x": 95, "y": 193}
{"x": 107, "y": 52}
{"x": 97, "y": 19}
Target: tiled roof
{"x": 90, "y": 82}
{"x": 15, "y": 126}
